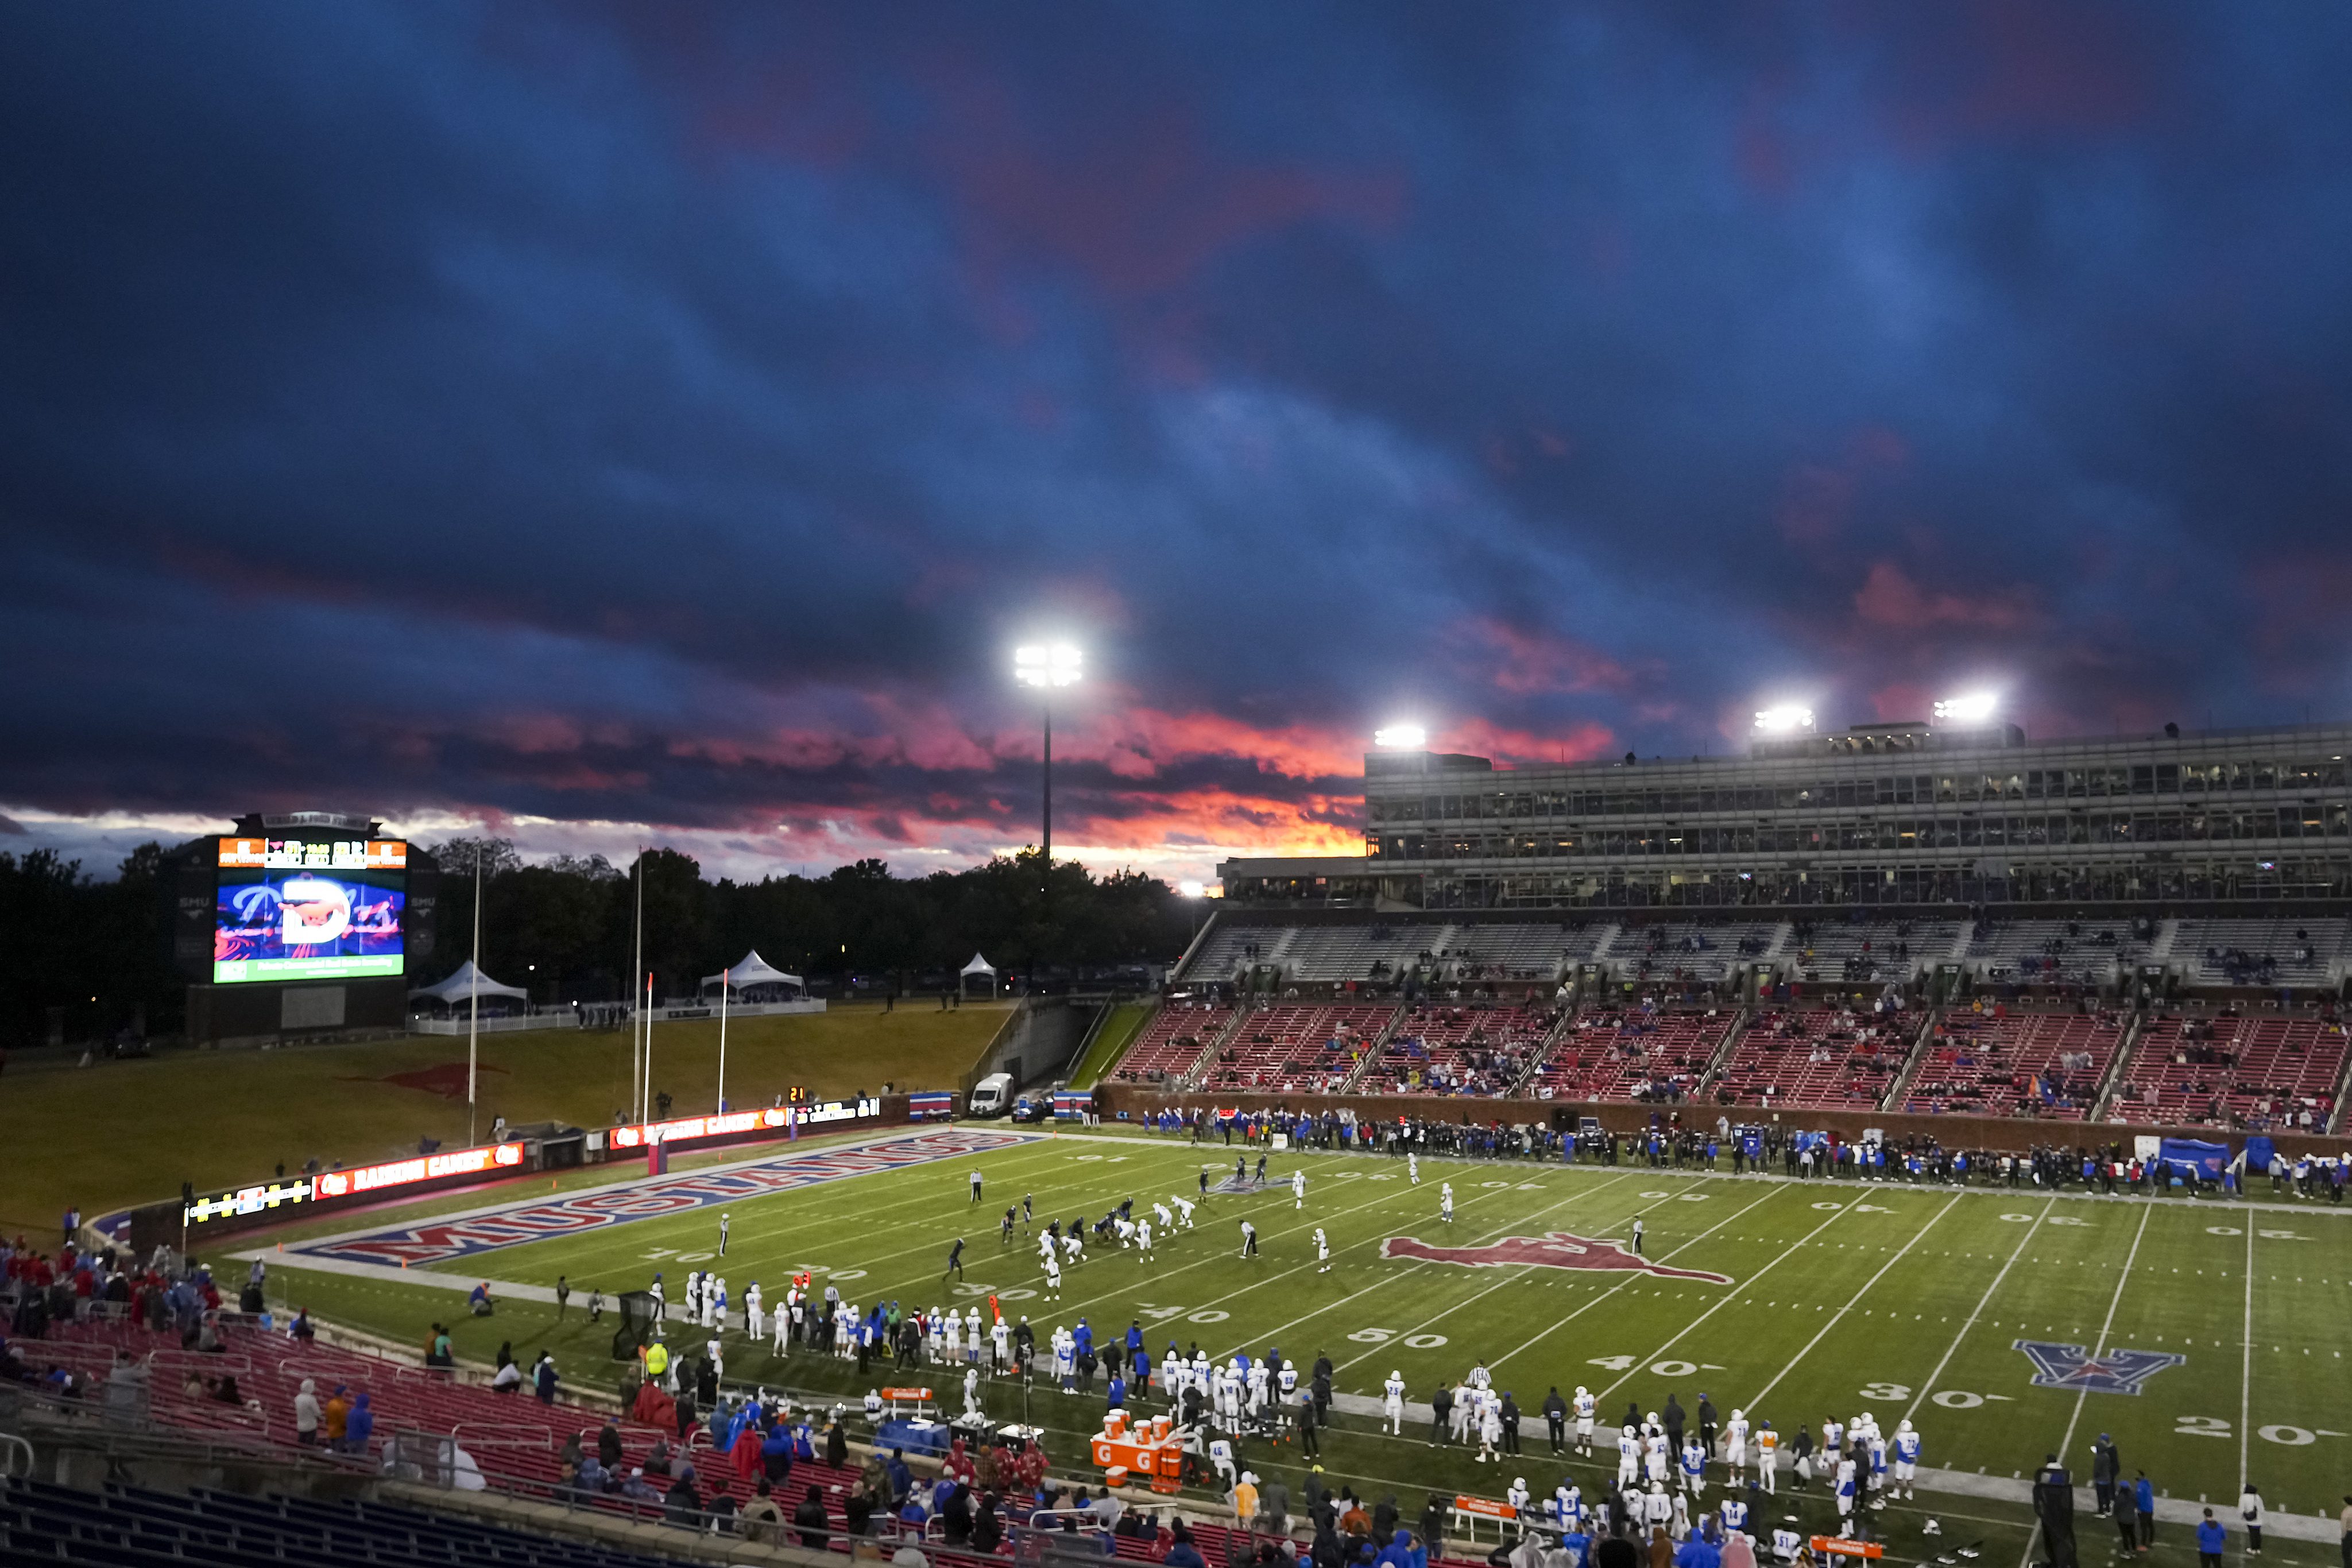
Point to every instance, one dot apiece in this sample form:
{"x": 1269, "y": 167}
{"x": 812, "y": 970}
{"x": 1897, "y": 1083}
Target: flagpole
{"x": 638, "y": 1023}
{"x": 723, "y": 974}
{"x": 646, "y": 1111}
{"x": 473, "y": 999}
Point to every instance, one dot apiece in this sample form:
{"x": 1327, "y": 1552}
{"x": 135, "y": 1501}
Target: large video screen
{"x": 319, "y": 908}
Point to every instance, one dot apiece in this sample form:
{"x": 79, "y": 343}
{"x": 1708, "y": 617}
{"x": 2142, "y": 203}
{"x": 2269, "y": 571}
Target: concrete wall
{"x": 1038, "y": 1044}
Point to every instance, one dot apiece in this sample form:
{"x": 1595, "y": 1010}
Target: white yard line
{"x": 2246, "y": 1367}
{"x": 2067, "y": 1443}
{"x": 1758, "y": 1398}
{"x": 1928, "y": 1388}
{"x": 1843, "y": 1209}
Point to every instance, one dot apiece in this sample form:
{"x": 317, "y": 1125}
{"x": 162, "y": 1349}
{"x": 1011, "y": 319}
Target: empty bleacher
{"x": 1816, "y": 1056}
{"x": 1171, "y": 1042}
{"x": 1871, "y": 952}
{"x": 130, "y": 1525}
{"x": 1297, "y": 1048}
{"x": 1656, "y": 1056}
{"x": 1518, "y": 950}
{"x": 2256, "y": 1069}
{"x": 1700, "y": 953}
{"x": 2054, "y": 952}
{"x": 2048, "y": 1066}
{"x": 1439, "y": 1049}
{"x": 2303, "y": 951}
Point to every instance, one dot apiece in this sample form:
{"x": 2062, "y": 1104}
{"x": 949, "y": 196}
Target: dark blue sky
{"x": 662, "y": 420}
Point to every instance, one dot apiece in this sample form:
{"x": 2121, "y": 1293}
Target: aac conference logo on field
{"x": 2072, "y": 1366}
{"x": 1553, "y": 1249}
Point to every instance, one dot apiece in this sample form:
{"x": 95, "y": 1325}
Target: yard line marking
{"x": 2100, "y": 1346}
{"x": 1758, "y": 1397}
{"x": 1727, "y": 1297}
{"x": 1621, "y": 1284}
{"x": 1949, "y": 1351}
{"x": 2246, "y": 1366}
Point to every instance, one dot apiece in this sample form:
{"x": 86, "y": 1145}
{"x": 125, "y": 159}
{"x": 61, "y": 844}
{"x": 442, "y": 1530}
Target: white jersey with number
{"x": 1735, "y": 1441}
{"x": 1584, "y": 1408}
{"x": 1395, "y": 1387}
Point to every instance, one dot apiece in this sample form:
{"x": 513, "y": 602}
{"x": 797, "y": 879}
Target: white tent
{"x": 461, "y": 985}
{"x": 980, "y": 966}
{"x": 751, "y": 970}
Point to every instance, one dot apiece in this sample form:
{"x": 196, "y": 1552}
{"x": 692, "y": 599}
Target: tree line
{"x": 95, "y": 956}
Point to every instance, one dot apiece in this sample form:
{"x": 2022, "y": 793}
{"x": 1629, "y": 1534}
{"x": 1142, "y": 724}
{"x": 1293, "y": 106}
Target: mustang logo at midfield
{"x": 1554, "y": 1250}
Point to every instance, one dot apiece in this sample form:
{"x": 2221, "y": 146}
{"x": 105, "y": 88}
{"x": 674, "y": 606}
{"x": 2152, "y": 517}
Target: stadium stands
{"x": 2256, "y": 1071}
{"x": 1443, "y": 1050}
{"x": 1872, "y": 951}
{"x": 1297, "y": 1047}
{"x": 1633, "y": 1056}
{"x": 1171, "y": 1042}
{"x": 2054, "y": 952}
{"x": 1516, "y": 951}
{"x": 1697, "y": 953}
{"x": 128, "y": 1525}
{"x": 2300, "y": 951}
{"x": 2002, "y": 1064}
{"x": 1816, "y": 1056}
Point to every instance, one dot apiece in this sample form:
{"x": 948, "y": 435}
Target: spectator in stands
{"x": 359, "y": 1428}
{"x": 595, "y": 1479}
{"x": 306, "y": 1415}
{"x": 988, "y": 1529}
{"x": 657, "y": 1459}
{"x": 762, "y": 1520}
{"x": 608, "y": 1446}
{"x": 508, "y": 1378}
{"x": 338, "y": 1413}
{"x": 301, "y": 1328}
{"x": 439, "y": 1352}
{"x": 636, "y": 1488}
{"x": 809, "y": 1520}
{"x": 544, "y": 1378}
{"x": 1182, "y": 1553}
{"x": 569, "y": 1487}
{"x": 683, "y": 1505}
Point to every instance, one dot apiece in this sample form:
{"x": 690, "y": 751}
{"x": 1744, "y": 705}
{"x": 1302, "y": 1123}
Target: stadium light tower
{"x": 1784, "y": 720}
{"x": 1192, "y": 893}
{"x": 1049, "y": 667}
{"x": 1401, "y": 737}
{"x": 1974, "y": 708}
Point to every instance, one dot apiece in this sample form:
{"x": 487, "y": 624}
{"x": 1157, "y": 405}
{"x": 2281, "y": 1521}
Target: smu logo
{"x": 1553, "y": 1249}
{"x": 2072, "y": 1366}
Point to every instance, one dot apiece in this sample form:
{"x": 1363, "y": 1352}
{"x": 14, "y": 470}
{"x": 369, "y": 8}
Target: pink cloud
{"x": 1889, "y": 597}
{"x": 1522, "y": 661}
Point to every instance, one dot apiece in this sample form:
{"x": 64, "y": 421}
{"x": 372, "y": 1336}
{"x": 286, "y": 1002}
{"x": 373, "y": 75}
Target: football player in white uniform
{"x": 1412, "y": 1167}
{"x": 1184, "y": 1207}
{"x": 1735, "y": 1445}
{"x": 1584, "y": 1405}
{"x": 1299, "y": 1187}
{"x": 1629, "y": 1450}
{"x": 1322, "y": 1251}
{"x": 1906, "y": 1459}
{"x": 1392, "y": 1405}
{"x": 1446, "y": 1203}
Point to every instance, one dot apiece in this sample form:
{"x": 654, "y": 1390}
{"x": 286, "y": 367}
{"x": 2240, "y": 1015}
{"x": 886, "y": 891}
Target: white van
{"x": 992, "y": 1096}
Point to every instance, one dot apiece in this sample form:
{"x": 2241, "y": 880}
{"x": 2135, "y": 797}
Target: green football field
{"x": 1904, "y": 1301}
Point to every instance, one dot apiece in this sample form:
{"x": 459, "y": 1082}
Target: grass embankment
{"x": 130, "y": 1132}
{"x": 1119, "y": 1032}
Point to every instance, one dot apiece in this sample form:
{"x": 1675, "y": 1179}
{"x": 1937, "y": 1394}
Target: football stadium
{"x": 1835, "y": 1160}
{"x": 1546, "y": 785}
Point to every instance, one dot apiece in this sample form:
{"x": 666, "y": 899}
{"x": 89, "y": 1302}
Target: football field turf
{"x": 1796, "y": 1301}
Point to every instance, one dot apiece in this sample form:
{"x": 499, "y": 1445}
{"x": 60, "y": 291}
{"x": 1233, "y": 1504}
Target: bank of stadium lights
{"x": 1784, "y": 720}
{"x": 1974, "y": 708}
{"x": 1401, "y": 737}
{"x": 1046, "y": 665}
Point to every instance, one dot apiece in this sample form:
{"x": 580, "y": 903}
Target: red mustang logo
{"x": 1555, "y": 1249}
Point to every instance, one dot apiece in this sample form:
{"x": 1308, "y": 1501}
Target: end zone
{"x": 498, "y": 1226}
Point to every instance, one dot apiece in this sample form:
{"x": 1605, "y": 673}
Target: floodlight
{"x": 1189, "y": 889}
{"x": 1401, "y": 737}
{"x": 1974, "y": 708}
{"x": 1780, "y": 721}
{"x": 1053, "y": 664}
